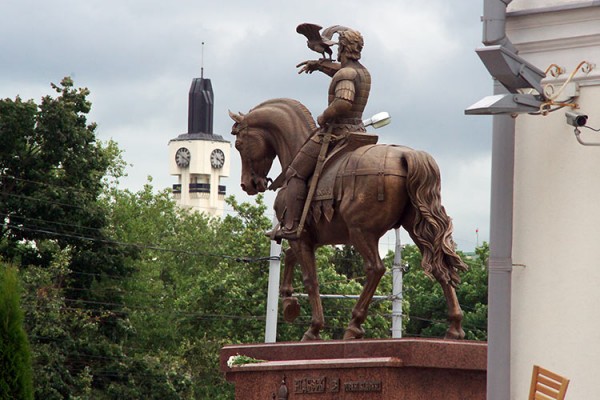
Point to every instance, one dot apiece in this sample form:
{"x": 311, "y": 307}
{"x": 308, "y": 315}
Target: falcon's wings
{"x": 311, "y": 31}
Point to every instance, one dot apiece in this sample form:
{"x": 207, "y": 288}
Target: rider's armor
{"x": 352, "y": 84}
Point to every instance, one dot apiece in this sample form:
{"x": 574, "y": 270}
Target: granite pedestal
{"x": 407, "y": 369}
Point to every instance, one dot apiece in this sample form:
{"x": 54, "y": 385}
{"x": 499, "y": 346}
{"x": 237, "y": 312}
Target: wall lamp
{"x": 514, "y": 73}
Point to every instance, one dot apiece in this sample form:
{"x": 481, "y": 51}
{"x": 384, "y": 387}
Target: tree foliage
{"x": 426, "y": 302}
{"x": 424, "y": 306}
{"x": 203, "y": 283}
{"x": 15, "y": 360}
{"x": 199, "y": 284}
{"x": 52, "y": 171}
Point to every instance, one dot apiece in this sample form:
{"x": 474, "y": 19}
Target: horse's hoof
{"x": 353, "y": 332}
{"x": 309, "y": 337}
{"x": 291, "y": 309}
{"x": 453, "y": 333}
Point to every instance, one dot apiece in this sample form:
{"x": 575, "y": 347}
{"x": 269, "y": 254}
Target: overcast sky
{"x": 138, "y": 58}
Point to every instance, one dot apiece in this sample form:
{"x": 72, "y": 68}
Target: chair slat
{"x": 554, "y": 384}
{"x": 550, "y": 374}
{"x": 552, "y": 393}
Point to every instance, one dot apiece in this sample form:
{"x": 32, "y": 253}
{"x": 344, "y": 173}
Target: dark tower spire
{"x": 200, "y": 110}
{"x": 202, "y": 62}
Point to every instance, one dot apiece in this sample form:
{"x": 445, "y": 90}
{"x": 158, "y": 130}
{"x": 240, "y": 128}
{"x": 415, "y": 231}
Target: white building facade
{"x": 556, "y": 220}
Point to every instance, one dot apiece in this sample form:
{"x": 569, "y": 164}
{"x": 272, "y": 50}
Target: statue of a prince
{"x": 347, "y": 98}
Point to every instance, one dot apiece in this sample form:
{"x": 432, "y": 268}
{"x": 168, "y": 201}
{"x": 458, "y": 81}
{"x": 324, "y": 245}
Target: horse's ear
{"x": 236, "y": 117}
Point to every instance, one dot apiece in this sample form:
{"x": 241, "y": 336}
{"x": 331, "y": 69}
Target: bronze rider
{"x": 348, "y": 95}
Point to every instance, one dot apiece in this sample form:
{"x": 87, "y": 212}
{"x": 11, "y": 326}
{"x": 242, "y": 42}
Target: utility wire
{"x": 144, "y": 246}
{"x": 80, "y": 190}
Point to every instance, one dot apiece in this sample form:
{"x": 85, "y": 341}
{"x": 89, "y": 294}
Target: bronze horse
{"x": 369, "y": 200}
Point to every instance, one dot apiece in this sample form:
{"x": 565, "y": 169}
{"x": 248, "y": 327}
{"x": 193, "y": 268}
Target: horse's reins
{"x": 274, "y": 184}
{"x": 278, "y": 182}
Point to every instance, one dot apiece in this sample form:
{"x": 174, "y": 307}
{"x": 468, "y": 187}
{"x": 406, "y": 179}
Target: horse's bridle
{"x": 237, "y": 130}
{"x": 253, "y": 175}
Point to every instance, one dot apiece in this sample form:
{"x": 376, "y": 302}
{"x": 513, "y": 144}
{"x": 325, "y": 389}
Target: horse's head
{"x": 256, "y": 153}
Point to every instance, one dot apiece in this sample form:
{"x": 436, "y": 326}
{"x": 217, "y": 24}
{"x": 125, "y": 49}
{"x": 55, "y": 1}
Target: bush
{"x": 15, "y": 360}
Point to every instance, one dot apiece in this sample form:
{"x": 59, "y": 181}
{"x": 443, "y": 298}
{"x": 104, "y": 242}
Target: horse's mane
{"x": 295, "y": 106}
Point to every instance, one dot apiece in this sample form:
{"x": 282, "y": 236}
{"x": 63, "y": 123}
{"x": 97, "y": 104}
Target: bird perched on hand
{"x": 321, "y": 43}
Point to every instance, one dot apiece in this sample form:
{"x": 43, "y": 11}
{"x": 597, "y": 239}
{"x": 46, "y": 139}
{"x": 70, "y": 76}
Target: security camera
{"x": 576, "y": 119}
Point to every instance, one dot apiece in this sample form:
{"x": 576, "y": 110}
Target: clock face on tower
{"x": 182, "y": 157}
{"x": 217, "y": 158}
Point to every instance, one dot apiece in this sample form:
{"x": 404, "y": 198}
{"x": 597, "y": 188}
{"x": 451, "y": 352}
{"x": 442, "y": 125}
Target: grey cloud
{"x": 138, "y": 58}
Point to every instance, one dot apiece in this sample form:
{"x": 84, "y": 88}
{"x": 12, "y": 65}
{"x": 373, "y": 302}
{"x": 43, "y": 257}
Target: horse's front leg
{"x": 306, "y": 256}
{"x": 291, "y": 307}
{"x": 374, "y": 268}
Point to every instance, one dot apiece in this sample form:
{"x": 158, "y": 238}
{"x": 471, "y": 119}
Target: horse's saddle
{"x": 328, "y": 185}
{"x": 353, "y": 141}
{"x": 340, "y": 170}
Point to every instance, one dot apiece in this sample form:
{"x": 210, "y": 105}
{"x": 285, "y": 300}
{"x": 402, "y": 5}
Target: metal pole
{"x": 501, "y": 221}
{"x": 273, "y": 291}
{"x": 397, "y": 289}
{"x": 500, "y": 261}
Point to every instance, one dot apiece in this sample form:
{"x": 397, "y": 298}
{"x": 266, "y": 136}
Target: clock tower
{"x": 199, "y": 158}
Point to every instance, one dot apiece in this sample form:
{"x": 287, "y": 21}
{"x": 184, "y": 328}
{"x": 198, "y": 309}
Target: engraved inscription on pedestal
{"x": 334, "y": 385}
{"x": 323, "y": 384}
{"x": 310, "y": 385}
{"x": 363, "y": 386}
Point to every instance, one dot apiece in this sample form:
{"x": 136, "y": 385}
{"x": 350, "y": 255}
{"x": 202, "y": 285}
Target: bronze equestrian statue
{"x": 358, "y": 191}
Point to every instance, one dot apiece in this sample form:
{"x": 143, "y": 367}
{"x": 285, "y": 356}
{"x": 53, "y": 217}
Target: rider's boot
{"x": 295, "y": 197}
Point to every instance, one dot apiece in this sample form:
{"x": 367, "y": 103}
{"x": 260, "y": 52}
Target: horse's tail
{"x": 432, "y": 226}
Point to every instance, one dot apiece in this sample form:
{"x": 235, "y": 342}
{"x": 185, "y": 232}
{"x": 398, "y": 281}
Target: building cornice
{"x": 552, "y": 9}
{"x": 200, "y": 136}
{"x": 553, "y": 35}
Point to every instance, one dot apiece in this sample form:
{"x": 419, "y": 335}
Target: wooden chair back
{"x": 546, "y": 385}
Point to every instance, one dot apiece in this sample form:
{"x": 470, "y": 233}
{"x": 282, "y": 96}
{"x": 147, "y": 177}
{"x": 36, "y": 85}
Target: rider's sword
{"x": 315, "y": 178}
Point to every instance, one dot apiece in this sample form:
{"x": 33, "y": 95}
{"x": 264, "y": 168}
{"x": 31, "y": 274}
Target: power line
{"x": 23, "y": 218}
{"x": 23, "y": 197}
{"x": 76, "y": 189}
{"x": 127, "y": 308}
{"x": 140, "y": 246}
{"x": 53, "y": 185}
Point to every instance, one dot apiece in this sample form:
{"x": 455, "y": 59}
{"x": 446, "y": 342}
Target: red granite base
{"x": 407, "y": 369}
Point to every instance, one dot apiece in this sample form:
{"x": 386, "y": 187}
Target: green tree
{"x": 424, "y": 304}
{"x": 201, "y": 283}
{"x": 348, "y": 262}
{"x": 72, "y": 357}
{"x": 54, "y": 178}
{"x": 128, "y": 296}
{"x": 427, "y": 305}
{"x": 58, "y": 333}
{"x": 15, "y": 360}
{"x": 52, "y": 171}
